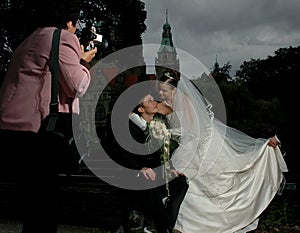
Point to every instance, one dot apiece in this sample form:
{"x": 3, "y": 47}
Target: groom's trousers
{"x": 164, "y": 215}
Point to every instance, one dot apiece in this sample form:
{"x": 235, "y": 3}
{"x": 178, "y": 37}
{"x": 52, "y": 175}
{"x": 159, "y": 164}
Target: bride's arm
{"x": 186, "y": 113}
{"x": 164, "y": 109}
{"x": 137, "y": 120}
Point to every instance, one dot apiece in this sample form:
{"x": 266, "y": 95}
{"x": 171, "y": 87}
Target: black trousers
{"x": 36, "y": 178}
{"x": 150, "y": 201}
{"x": 178, "y": 189}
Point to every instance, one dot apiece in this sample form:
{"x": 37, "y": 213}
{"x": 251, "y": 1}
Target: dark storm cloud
{"x": 236, "y": 30}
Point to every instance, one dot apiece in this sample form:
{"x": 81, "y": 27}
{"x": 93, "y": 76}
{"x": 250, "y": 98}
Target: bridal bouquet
{"x": 159, "y": 131}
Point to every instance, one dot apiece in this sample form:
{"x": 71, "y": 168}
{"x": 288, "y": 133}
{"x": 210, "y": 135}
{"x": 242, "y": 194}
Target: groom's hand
{"x": 148, "y": 173}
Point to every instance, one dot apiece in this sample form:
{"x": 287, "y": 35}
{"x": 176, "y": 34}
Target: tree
{"x": 273, "y": 77}
{"x": 274, "y": 81}
{"x": 122, "y": 22}
{"x": 221, "y": 73}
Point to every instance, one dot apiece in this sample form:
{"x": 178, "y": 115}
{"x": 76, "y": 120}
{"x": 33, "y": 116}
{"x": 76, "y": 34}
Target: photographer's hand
{"x": 88, "y": 55}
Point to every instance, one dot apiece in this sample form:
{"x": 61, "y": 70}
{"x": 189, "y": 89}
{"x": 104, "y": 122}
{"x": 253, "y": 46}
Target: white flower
{"x": 158, "y": 129}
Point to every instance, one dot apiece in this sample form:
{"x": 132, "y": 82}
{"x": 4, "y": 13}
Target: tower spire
{"x": 216, "y": 66}
{"x": 167, "y": 55}
{"x": 166, "y": 16}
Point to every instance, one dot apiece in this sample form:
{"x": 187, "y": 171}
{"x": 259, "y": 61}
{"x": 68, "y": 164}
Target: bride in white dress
{"x": 232, "y": 176}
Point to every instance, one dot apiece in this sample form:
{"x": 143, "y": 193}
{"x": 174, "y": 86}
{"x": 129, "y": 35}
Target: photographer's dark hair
{"x": 57, "y": 12}
{"x": 170, "y": 77}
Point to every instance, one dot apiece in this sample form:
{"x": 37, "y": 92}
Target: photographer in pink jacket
{"x": 24, "y": 103}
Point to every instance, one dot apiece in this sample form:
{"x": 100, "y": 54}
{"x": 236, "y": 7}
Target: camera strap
{"x": 54, "y": 68}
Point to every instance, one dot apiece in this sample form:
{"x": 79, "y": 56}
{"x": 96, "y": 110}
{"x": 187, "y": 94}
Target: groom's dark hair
{"x": 140, "y": 103}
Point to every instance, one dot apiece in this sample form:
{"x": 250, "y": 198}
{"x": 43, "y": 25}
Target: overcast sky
{"x": 234, "y": 30}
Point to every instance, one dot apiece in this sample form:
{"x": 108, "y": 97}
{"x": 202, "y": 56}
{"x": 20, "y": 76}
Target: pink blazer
{"x": 25, "y": 93}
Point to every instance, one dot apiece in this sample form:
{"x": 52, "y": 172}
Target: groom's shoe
{"x": 136, "y": 221}
{"x": 149, "y": 230}
{"x": 120, "y": 230}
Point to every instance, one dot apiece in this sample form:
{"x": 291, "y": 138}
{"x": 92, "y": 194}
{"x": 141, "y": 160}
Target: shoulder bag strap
{"x": 54, "y": 68}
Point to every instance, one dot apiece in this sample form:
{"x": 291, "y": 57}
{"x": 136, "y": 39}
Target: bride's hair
{"x": 170, "y": 77}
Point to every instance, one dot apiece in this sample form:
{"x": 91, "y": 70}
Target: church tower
{"x": 166, "y": 55}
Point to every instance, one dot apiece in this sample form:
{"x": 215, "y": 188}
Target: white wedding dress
{"x": 232, "y": 176}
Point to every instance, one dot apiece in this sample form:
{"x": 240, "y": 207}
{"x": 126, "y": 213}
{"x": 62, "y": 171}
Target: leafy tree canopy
{"x": 122, "y": 22}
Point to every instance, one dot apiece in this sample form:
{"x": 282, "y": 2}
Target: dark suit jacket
{"x": 132, "y": 160}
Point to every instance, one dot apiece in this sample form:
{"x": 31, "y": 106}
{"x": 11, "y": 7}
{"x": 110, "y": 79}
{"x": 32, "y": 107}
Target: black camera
{"x": 96, "y": 40}
{"x": 90, "y": 39}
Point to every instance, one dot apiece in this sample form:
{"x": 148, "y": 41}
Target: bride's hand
{"x": 177, "y": 173}
{"x": 273, "y": 142}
